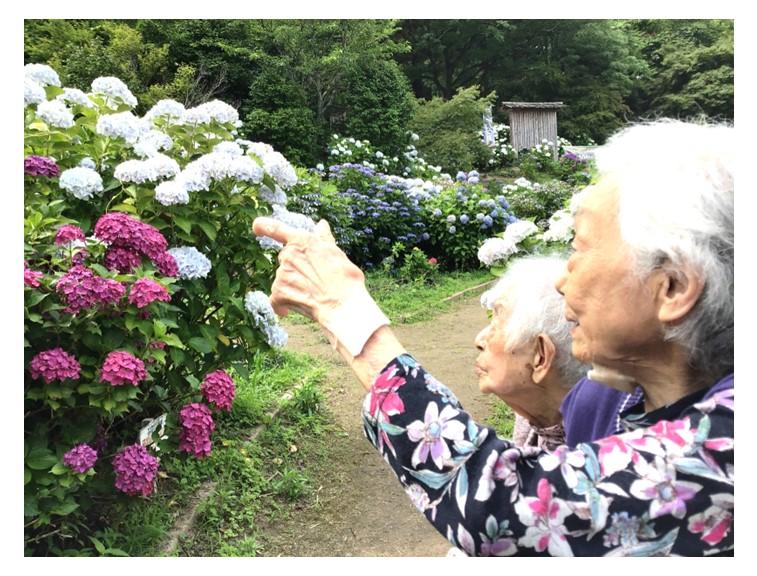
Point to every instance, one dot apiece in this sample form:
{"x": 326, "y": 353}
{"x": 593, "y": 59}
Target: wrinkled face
{"x": 505, "y": 373}
{"x": 615, "y": 312}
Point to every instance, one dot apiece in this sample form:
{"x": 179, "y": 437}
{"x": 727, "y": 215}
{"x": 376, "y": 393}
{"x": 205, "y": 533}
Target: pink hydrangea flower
{"x": 55, "y": 364}
{"x": 197, "y": 425}
{"x": 145, "y": 291}
{"x": 218, "y": 389}
{"x": 136, "y": 470}
{"x": 166, "y": 265}
{"x": 122, "y": 260}
{"x": 81, "y": 288}
{"x": 123, "y": 231}
{"x": 68, "y": 233}
{"x": 31, "y": 278}
{"x": 40, "y": 166}
{"x": 80, "y": 458}
{"x": 120, "y": 368}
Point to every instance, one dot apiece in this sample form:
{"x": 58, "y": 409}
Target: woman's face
{"x": 502, "y": 372}
{"x": 615, "y": 312}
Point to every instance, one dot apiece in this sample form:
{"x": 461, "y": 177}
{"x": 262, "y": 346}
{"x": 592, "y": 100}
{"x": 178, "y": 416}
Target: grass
{"x": 502, "y": 419}
{"x": 254, "y": 480}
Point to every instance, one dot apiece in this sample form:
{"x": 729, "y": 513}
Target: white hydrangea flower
{"x": 523, "y": 183}
{"x": 214, "y": 110}
{"x": 87, "y": 162}
{"x": 167, "y": 109}
{"x": 159, "y": 140}
{"x": 34, "y": 92}
{"x": 170, "y": 193}
{"x": 41, "y": 74}
{"x": 75, "y": 96}
{"x": 259, "y": 306}
{"x": 217, "y": 166}
{"x": 273, "y": 197}
{"x": 260, "y": 149}
{"x": 560, "y": 227}
{"x": 191, "y": 262}
{"x": 112, "y": 87}
{"x": 519, "y": 230}
{"x": 193, "y": 178}
{"x": 122, "y": 125}
{"x": 280, "y": 169}
{"x": 55, "y": 113}
{"x": 81, "y": 182}
{"x": 227, "y": 147}
{"x": 145, "y": 149}
{"x": 496, "y": 249}
{"x": 153, "y": 168}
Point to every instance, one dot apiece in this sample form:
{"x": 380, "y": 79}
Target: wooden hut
{"x": 532, "y": 122}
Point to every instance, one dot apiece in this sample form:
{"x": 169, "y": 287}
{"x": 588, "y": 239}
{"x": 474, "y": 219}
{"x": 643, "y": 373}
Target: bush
{"x": 449, "y": 130}
{"x": 136, "y": 272}
{"x": 537, "y": 202}
{"x": 408, "y": 267}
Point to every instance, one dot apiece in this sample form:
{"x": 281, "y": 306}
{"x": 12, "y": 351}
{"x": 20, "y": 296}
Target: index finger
{"x": 263, "y": 226}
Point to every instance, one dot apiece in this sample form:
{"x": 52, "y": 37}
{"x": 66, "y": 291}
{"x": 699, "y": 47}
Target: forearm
{"x": 380, "y": 349}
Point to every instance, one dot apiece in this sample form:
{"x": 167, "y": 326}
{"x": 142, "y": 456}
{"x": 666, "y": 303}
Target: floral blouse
{"x": 664, "y": 487}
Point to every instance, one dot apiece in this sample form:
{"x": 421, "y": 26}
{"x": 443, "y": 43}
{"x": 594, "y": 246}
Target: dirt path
{"x": 358, "y": 507}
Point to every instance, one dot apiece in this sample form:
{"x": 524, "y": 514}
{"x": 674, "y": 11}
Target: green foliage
{"x": 408, "y": 266}
{"x": 537, "y": 202}
{"x": 377, "y": 105}
{"x": 449, "y": 130}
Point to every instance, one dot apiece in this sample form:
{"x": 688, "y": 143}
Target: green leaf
{"x": 125, "y": 208}
{"x": 65, "y": 509}
{"x": 209, "y": 230}
{"x": 41, "y": 459}
{"x": 27, "y": 475}
{"x": 201, "y": 345}
{"x": 99, "y": 546}
{"x": 59, "y": 469}
{"x": 174, "y": 341}
{"x": 183, "y": 223}
{"x": 159, "y": 328}
{"x": 36, "y": 297}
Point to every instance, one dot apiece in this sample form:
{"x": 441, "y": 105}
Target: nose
{"x": 480, "y": 340}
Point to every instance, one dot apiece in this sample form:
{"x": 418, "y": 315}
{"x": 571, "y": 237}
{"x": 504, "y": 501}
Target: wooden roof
{"x": 537, "y": 105}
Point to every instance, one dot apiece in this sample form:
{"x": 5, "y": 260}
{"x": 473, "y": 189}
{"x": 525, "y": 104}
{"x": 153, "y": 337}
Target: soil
{"x": 356, "y": 506}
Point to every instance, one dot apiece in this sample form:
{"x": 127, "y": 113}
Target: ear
{"x": 544, "y": 356}
{"x": 678, "y": 291}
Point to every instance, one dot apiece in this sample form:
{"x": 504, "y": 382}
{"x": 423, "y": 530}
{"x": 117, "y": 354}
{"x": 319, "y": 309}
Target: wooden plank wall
{"x": 529, "y": 127}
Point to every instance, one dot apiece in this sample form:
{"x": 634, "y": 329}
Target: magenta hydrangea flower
{"x": 31, "y": 277}
{"x": 68, "y": 233}
{"x": 81, "y": 288}
{"x": 80, "y": 458}
{"x": 145, "y": 291}
{"x": 218, "y": 389}
{"x": 136, "y": 470}
{"x": 40, "y": 166}
{"x": 166, "y": 264}
{"x": 120, "y": 368}
{"x": 54, "y": 364}
{"x": 122, "y": 260}
{"x": 197, "y": 426}
{"x": 123, "y": 231}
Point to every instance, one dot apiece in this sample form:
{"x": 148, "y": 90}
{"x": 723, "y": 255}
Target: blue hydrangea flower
{"x": 259, "y": 306}
{"x": 191, "y": 262}
{"x": 464, "y": 219}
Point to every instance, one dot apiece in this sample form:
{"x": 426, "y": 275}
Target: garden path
{"x": 357, "y": 507}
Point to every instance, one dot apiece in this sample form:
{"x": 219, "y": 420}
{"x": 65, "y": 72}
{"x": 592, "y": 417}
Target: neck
{"x": 540, "y": 406}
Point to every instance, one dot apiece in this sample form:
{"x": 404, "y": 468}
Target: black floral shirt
{"x": 664, "y": 488}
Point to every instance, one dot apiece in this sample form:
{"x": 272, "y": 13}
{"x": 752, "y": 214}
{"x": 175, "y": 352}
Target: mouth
{"x": 478, "y": 370}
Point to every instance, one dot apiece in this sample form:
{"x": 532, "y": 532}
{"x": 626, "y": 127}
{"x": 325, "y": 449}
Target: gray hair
{"x": 675, "y": 190}
{"x": 536, "y": 307}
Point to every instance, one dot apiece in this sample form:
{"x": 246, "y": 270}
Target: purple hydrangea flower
{"x": 136, "y": 470}
{"x": 218, "y": 389}
{"x": 80, "y": 458}
{"x": 197, "y": 425}
{"x": 40, "y": 166}
{"x": 145, "y": 291}
{"x": 54, "y": 364}
{"x": 121, "y": 367}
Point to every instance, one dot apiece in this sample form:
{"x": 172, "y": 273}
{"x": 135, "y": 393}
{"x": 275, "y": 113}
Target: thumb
{"x": 324, "y": 230}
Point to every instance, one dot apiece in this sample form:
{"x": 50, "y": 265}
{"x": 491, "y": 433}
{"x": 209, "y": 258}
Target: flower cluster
{"x": 560, "y": 227}
{"x": 145, "y": 291}
{"x": 258, "y": 305}
{"x": 33, "y": 92}
{"x": 69, "y": 233}
{"x": 80, "y": 458}
{"x": 191, "y": 263}
{"x": 167, "y": 110}
{"x": 215, "y": 110}
{"x": 121, "y": 367}
{"x": 42, "y": 74}
{"x": 136, "y": 470}
{"x": 55, "y": 364}
{"x": 31, "y": 277}
{"x": 200, "y": 174}
{"x": 196, "y": 427}
{"x": 171, "y": 193}
{"x": 218, "y": 389}
{"x": 122, "y": 260}
{"x": 76, "y": 97}
{"x": 153, "y": 168}
{"x": 81, "y": 182}
{"x": 122, "y": 125}
{"x": 120, "y": 230}
{"x": 81, "y": 288}
{"x": 55, "y": 113}
{"x": 500, "y": 248}
{"x": 113, "y": 88}
{"x": 40, "y": 166}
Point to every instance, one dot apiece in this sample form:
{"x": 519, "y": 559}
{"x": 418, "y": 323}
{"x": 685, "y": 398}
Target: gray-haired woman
{"x": 650, "y": 287}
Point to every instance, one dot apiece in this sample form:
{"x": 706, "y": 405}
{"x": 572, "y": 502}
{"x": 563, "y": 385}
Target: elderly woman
{"x": 525, "y": 357}
{"x": 650, "y": 289}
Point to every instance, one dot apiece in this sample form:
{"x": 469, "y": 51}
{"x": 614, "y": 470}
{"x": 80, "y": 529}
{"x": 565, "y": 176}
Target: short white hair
{"x": 536, "y": 307}
{"x": 675, "y": 191}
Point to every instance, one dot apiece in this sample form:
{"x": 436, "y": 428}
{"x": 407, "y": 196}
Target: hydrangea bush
{"x": 138, "y": 256}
